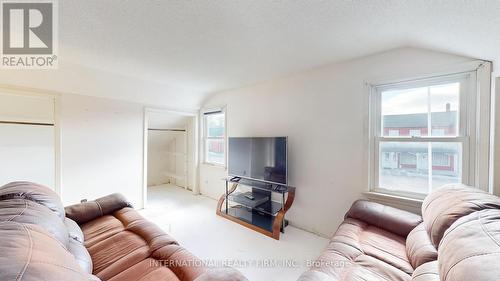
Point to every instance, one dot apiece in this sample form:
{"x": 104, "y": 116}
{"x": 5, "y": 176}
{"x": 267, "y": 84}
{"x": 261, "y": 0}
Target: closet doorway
{"x": 170, "y": 155}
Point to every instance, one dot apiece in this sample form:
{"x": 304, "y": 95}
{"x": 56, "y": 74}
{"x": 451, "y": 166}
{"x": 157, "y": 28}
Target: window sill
{"x": 402, "y": 202}
{"x": 214, "y": 165}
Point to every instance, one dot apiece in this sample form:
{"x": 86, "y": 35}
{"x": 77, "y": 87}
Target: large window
{"x": 214, "y": 137}
{"x": 421, "y": 134}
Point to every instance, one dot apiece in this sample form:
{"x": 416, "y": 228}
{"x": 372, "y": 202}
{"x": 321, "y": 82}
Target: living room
{"x": 250, "y": 140}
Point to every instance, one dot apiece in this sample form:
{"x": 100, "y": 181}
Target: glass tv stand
{"x": 256, "y": 205}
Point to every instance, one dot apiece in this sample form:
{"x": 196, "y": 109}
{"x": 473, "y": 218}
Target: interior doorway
{"x": 170, "y": 153}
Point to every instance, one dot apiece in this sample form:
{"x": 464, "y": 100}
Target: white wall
{"x": 179, "y": 160}
{"x": 324, "y": 113}
{"x": 157, "y": 157}
{"x": 101, "y": 148}
{"x": 166, "y": 158}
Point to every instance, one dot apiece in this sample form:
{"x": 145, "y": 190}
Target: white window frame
{"x": 206, "y": 113}
{"x": 467, "y": 131}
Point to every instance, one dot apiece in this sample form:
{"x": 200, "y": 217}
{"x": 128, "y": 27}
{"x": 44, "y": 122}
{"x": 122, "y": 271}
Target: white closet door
{"x": 27, "y": 139}
{"x": 27, "y": 154}
{"x": 26, "y": 108}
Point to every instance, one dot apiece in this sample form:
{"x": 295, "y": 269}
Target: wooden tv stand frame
{"x": 279, "y": 219}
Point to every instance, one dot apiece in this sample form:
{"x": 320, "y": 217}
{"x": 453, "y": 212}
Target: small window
{"x": 214, "y": 135}
{"x": 420, "y": 140}
{"x": 415, "y": 133}
{"x": 393, "y": 133}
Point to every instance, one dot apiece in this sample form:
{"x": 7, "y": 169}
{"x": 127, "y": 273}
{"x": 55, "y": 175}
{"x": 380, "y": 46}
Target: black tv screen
{"x": 263, "y": 159}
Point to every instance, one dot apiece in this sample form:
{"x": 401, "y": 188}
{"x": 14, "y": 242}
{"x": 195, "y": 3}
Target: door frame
{"x": 191, "y": 136}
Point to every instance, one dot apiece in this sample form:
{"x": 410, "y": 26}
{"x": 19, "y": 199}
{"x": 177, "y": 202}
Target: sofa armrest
{"x": 87, "y": 211}
{"x": 388, "y": 218}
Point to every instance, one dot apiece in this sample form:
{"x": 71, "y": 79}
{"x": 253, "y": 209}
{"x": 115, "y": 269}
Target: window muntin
{"x": 215, "y": 144}
{"x": 415, "y": 120}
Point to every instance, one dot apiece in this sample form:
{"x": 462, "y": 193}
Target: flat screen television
{"x": 260, "y": 158}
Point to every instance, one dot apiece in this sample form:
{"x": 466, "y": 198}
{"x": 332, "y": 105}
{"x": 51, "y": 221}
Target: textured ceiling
{"x": 189, "y": 49}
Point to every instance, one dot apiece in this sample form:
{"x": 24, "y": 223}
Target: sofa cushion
{"x": 444, "y": 206}
{"x": 359, "y": 250}
{"x": 364, "y": 267}
{"x": 117, "y": 253}
{"x": 146, "y": 270}
{"x": 30, "y": 253}
{"x": 314, "y": 275}
{"x": 81, "y": 255}
{"x": 26, "y": 211}
{"x": 385, "y": 217}
{"x": 386, "y": 247}
{"x": 226, "y": 274}
{"x": 101, "y": 228}
{"x": 470, "y": 248}
{"x": 76, "y": 247}
{"x": 124, "y": 240}
{"x": 426, "y": 272}
{"x": 74, "y": 231}
{"x": 184, "y": 264}
{"x": 370, "y": 268}
{"x": 419, "y": 247}
{"x": 33, "y": 192}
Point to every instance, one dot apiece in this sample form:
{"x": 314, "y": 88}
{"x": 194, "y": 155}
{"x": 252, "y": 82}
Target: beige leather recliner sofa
{"x": 105, "y": 239}
{"x": 457, "y": 238}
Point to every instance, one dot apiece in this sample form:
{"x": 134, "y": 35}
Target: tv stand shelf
{"x": 267, "y": 218}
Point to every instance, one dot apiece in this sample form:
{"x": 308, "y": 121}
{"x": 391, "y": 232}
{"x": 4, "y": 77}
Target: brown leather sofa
{"x": 457, "y": 238}
{"x": 103, "y": 240}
